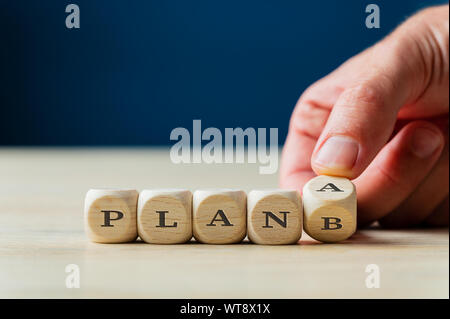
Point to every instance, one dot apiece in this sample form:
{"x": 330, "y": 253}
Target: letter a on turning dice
{"x": 219, "y": 216}
{"x": 275, "y": 217}
{"x": 329, "y": 206}
{"x": 110, "y": 215}
{"x": 165, "y": 216}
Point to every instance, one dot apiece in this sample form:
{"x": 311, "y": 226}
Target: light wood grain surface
{"x": 41, "y": 231}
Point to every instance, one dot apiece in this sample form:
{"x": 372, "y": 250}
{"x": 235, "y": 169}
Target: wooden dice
{"x": 329, "y": 206}
{"x": 274, "y": 217}
{"x": 219, "y": 216}
{"x": 110, "y": 215}
{"x": 165, "y": 216}
{"x": 223, "y": 216}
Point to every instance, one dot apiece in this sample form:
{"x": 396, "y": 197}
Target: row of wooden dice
{"x": 223, "y": 216}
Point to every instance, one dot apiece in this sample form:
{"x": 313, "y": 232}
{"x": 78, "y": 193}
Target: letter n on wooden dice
{"x": 110, "y": 215}
{"x": 219, "y": 216}
{"x": 329, "y": 205}
{"x": 165, "y": 216}
{"x": 275, "y": 217}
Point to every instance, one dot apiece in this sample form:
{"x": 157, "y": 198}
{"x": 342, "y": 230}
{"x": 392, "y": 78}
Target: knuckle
{"x": 362, "y": 94}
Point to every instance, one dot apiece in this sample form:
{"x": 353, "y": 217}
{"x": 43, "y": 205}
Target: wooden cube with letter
{"x": 165, "y": 216}
{"x": 329, "y": 207}
{"x": 110, "y": 215}
{"x": 219, "y": 216}
{"x": 275, "y": 217}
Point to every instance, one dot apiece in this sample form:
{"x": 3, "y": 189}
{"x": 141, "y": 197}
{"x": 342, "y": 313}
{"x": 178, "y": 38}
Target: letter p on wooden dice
{"x": 329, "y": 206}
{"x": 275, "y": 217}
{"x": 110, "y": 215}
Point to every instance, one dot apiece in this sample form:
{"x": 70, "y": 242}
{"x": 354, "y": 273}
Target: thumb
{"x": 363, "y": 117}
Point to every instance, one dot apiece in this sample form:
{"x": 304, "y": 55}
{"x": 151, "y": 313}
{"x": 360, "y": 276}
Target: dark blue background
{"x": 137, "y": 69}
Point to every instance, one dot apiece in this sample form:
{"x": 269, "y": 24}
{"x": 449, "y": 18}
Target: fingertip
{"x": 337, "y": 156}
{"x": 426, "y": 139}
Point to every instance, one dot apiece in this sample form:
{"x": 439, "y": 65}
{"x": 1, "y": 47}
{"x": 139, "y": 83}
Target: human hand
{"x": 381, "y": 119}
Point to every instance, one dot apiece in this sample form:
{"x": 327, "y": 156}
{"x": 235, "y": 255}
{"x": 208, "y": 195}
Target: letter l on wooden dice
{"x": 165, "y": 216}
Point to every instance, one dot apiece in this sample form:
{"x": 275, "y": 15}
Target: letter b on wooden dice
{"x": 329, "y": 205}
{"x": 165, "y": 216}
{"x": 275, "y": 217}
{"x": 110, "y": 215}
{"x": 219, "y": 216}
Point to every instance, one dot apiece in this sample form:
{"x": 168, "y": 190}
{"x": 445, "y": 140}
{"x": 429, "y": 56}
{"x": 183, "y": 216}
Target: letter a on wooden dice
{"x": 275, "y": 217}
{"x": 110, "y": 215}
{"x": 219, "y": 216}
{"x": 165, "y": 216}
{"x": 329, "y": 206}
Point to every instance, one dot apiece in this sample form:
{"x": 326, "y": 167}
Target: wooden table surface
{"x": 41, "y": 231}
